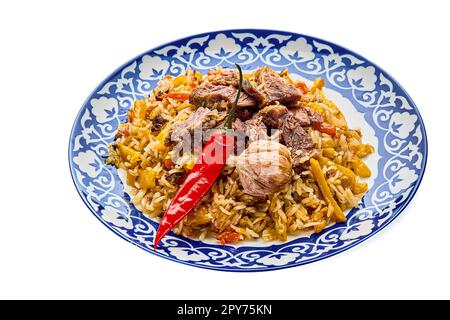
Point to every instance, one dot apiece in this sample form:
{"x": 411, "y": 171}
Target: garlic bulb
{"x": 264, "y": 167}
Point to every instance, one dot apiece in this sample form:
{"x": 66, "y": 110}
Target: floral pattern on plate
{"x": 385, "y": 106}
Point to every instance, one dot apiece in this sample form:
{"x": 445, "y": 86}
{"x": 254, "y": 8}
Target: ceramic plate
{"x": 369, "y": 97}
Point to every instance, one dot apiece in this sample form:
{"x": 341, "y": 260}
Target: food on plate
{"x": 240, "y": 157}
{"x": 208, "y": 165}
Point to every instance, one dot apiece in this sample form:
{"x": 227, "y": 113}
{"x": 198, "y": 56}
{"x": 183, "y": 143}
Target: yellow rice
{"x": 300, "y": 206}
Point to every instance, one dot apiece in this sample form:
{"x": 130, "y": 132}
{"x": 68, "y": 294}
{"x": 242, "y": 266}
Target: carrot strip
{"x": 180, "y": 96}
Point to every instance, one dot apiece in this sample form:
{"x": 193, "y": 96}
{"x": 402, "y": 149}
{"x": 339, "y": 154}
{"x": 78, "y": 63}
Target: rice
{"x": 298, "y": 207}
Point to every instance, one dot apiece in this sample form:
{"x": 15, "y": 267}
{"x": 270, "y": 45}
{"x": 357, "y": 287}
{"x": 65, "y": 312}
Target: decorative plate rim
{"x": 395, "y": 214}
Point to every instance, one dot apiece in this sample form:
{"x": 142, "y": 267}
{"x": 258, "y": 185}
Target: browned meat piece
{"x": 187, "y": 126}
{"x": 301, "y": 114}
{"x": 256, "y": 129}
{"x": 296, "y": 138}
{"x": 238, "y": 125}
{"x": 314, "y": 116}
{"x": 245, "y": 101}
{"x": 268, "y": 87}
{"x": 202, "y": 118}
{"x": 253, "y": 129}
{"x": 240, "y": 133}
{"x": 208, "y": 94}
{"x": 250, "y": 88}
{"x": 157, "y": 123}
{"x": 245, "y": 114}
{"x": 273, "y": 115}
{"x": 225, "y": 77}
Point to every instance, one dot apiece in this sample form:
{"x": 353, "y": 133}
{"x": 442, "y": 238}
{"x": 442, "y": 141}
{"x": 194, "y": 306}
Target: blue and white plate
{"x": 369, "y": 97}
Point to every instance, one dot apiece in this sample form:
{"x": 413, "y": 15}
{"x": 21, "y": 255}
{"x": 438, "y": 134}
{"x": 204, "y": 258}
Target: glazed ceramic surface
{"x": 369, "y": 97}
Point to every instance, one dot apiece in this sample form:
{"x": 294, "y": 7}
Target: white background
{"x": 53, "y": 54}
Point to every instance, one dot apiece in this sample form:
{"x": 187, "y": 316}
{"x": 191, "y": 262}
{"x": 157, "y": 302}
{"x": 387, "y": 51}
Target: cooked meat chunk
{"x": 250, "y": 88}
{"x": 301, "y": 114}
{"x": 273, "y": 115}
{"x": 225, "y": 77}
{"x": 188, "y": 135}
{"x": 241, "y": 136}
{"x": 296, "y": 138}
{"x": 202, "y": 118}
{"x": 238, "y": 125}
{"x": 157, "y": 123}
{"x": 245, "y": 101}
{"x": 268, "y": 87}
{"x": 245, "y": 114}
{"x": 253, "y": 129}
{"x": 208, "y": 95}
{"x": 314, "y": 116}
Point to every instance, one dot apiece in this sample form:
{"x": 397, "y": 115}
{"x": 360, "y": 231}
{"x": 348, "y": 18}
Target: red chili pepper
{"x": 198, "y": 182}
{"x": 180, "y": 96}
{"x": 325, "y": 128}
{"x": 202, "y": 176}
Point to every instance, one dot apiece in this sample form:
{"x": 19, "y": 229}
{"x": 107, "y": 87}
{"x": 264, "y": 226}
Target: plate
{"x": 370, "y": 98}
